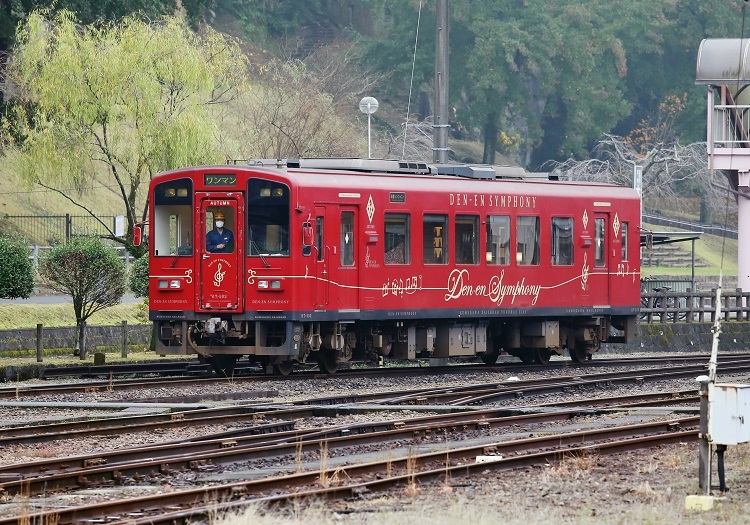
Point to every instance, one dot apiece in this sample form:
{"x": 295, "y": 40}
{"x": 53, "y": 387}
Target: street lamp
{"x": 368, "y": 106}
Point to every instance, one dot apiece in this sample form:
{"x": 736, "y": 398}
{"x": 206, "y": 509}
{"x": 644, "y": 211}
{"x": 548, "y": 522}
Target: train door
{"x": 347, "y": 263}
{"x": 337, "y": 266}
{"x": 220, "y": 276}
{"x": 320, "y": 297}
{"x": 600, "y": 293}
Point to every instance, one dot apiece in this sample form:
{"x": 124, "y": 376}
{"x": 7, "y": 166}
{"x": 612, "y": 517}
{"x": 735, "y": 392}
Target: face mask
{"x": 219, "y": 224}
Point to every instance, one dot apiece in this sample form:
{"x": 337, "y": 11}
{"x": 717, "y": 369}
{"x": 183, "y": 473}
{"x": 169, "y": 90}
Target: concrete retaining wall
{"x": 53, "y": 338}
{"x": 651, "y": 338}
{"x": 675, "y": 337}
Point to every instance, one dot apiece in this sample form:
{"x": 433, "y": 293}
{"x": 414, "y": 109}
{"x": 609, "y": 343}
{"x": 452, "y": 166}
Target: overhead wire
{"x": 411, "y": 82}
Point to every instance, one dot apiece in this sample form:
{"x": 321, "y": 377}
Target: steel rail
{"x": 217, "y": 497}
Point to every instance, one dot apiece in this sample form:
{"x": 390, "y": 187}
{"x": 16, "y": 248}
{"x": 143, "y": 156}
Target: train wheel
{"x": 284, "y": 368}
{"x": 542, "y": 356}
{"x": 327, "y": 361}
{"x": 223, "y": 365}
{"x": 526, "y": 356}
{"x": 489, "y": 358}
{"x": 579, "y": 354}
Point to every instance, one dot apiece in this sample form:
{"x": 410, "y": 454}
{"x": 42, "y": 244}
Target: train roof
{"x": 406, "y": 175}
{"x": 402, "y": 167}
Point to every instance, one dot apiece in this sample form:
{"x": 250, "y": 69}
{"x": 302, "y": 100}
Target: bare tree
{"x": 670, "y": 172}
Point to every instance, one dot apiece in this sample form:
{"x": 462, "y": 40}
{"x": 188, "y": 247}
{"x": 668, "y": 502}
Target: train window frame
{"x": 268, "y": 218}
{"x": 624, "y": 240}
{"x": 466, "y": 234}
{"x": 528, "y": 231}
{"x": 397, "y": 238}
{"x": 348, "y": 243}
{"x": 600, "y": 253}
{"x": 172, "y": 220}
{"x": 498, "y": 240}
{"x": 561, "y": 241}
{"x": 320, "y": 237}
{"x": 229, "y": 224}
{"x": 434, "y": 239}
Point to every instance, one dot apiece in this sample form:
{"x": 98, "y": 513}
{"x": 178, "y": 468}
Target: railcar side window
{"x": 624, "y": 239}
{"x": 397, "y": 239}
{"x": 562, "y": 241}
{"x": 435, "y": 239}
{"x": 347, "y": 238}
{"x": 467, "y": 239}
{"x": 267, "y": 218}
{"x": 599, "y": 242}
{"x": 172, "y": 220}
{"x": 527, "y": 241}
{"x": 319, "y": 237}
{"x": 498, "y": 239}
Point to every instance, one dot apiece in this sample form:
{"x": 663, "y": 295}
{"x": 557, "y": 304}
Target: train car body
{"x": 348, "y": 258}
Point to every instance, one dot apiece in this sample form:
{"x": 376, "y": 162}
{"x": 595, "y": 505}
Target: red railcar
{"x": 334, "y": 259}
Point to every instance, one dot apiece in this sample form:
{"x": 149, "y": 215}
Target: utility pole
{"x": 440, "y": 118}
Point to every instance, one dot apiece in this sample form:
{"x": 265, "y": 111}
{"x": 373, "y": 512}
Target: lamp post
{"x": 368, "y": 106}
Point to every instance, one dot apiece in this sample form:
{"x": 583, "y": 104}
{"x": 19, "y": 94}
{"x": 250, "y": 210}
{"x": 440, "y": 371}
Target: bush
{"x": 138, "y": 278}
{"x": 16, "y": 269}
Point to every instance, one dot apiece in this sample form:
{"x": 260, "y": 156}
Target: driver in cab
{"x": 220, "y": 239}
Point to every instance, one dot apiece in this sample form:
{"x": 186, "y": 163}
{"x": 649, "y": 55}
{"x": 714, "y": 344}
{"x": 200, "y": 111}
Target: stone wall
{"x": 674, "y": 337}
{"x": 55, "y": 338}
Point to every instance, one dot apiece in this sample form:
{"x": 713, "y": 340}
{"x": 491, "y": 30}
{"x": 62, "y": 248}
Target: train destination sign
{"x": 217, "y": 179}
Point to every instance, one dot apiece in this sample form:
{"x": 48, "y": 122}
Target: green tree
{"x": 124, "y": 100}
{"x": 16, "y": 269}
{"x": 90, "y": 11}
{"x": 138, "y": 277}
{"x": 90, "y": 273}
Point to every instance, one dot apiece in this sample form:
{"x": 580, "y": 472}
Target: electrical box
{"x": 729, "y": 413}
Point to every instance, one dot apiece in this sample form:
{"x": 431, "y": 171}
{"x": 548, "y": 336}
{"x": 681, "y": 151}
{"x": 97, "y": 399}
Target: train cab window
{"x": 268, "y": 212}
{"x": 172, "y": 220}
{"x": 220, "y": 228}
{"x": 498, "y": 240}
{"x": 527, "y": 241}
{"x": 435, "y": 239}
{"x": 562, "y": 241}
{"x": 347, "y": 238}
{"x": 397, "y": 239}
{"x": 467, "y": 239}
{"x": 599, "y": 248}
{"x": 624, "y": 239}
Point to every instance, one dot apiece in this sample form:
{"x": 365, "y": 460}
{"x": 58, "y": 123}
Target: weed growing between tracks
{"x": 641, "y": 487}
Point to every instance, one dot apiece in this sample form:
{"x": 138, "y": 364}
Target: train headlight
{"x": 172, "y": 284}
{"x": 262, "y": 285}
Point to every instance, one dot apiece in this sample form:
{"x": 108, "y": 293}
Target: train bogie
{"x": 331, "y": 261}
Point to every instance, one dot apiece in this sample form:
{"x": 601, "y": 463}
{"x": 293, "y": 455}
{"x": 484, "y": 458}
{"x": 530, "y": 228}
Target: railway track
{"x": 183, "y": 506}
{"x": 267, "y": 433}
{"x": 21, "y": 391}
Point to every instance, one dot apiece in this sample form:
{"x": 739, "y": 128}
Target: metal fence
{"x": 56, "y": 229}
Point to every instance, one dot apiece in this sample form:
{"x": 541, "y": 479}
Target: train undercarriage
{"x": 278, "y": 345}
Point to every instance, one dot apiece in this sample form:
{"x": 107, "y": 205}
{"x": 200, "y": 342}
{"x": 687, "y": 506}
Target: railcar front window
{"x": 599, "y": 242}
{"x": 172, "y": 220}
{"x": 467, "y": 240}
{"x": 498, "y": 240}
{"x": 435, "y": 239}
{"x": 397, "y": 239}
{"x": 624, "y": 240}
{"x": 267, "y": 218}
{"x": 527, "y": 241}
{"x": 562, "y": 241}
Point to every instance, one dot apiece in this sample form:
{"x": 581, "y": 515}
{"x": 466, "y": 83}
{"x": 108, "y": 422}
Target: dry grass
{"x": 648, "y": 487}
